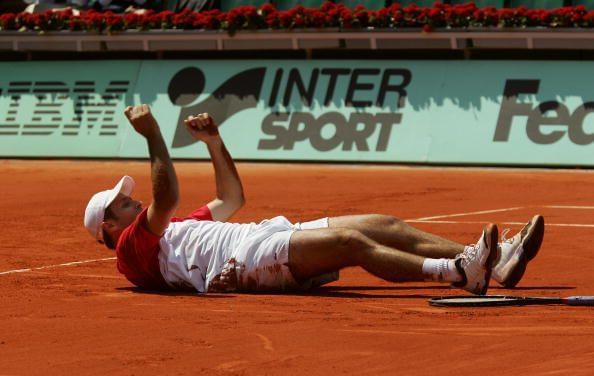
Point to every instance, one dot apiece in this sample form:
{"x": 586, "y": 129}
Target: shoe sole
{"x": 493, "y": 235}
{"x": 531, "y": 245}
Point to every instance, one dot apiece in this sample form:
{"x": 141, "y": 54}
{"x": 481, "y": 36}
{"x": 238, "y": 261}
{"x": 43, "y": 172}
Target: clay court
{"x": 66, "y": 310}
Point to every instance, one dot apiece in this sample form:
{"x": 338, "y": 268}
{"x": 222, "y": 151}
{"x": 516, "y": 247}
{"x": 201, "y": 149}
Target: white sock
{"x": 441, "y": 270}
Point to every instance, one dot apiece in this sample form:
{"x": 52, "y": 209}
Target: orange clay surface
{"x": 87, "y": 319}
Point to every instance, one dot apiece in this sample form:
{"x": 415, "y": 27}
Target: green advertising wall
{"x": 469, "y": 112}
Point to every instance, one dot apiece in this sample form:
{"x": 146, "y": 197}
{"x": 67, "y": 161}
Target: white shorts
{"x": 262, "y": 259}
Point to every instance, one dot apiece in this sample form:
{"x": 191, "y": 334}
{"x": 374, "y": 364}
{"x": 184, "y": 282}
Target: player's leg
{"x": 315, "y": 252}
{"x": 396, "y": 233}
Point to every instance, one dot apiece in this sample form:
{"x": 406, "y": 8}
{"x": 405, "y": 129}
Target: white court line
{"x": 55, "y": 266}
{"x": 568, "y": 207}
{"x": 461, "y": 222}
{"x": 503, "y": 223}
{"x": 463, "y": 214}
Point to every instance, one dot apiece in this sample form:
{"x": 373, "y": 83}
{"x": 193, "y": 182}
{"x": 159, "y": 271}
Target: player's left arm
{"x": 229, "y": 190}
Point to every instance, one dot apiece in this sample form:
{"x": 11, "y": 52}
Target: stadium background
{"x": 514, "y": 93}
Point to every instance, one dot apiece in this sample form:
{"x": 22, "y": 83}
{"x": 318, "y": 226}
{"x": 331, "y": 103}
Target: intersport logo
{"x": 356, "y": 90}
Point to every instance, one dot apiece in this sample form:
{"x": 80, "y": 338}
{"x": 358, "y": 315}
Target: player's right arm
{"x": 229, "y": 195}
{"x": 164, "y": 179}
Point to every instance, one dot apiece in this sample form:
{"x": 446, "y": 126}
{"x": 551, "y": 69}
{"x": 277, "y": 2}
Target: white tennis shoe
{"x": 475, "y": 263}
{"x": 517, "y": 251}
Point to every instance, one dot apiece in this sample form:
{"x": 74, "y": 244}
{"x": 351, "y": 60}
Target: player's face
{"x": 126, "y": 209}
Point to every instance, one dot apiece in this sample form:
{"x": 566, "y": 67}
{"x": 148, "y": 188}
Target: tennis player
{"x": 206, "y": 253}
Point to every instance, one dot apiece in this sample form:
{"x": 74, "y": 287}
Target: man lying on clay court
{"x": 204, "y": 252}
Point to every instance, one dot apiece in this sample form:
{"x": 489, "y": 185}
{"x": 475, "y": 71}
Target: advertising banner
{"x": 451, "y": 112}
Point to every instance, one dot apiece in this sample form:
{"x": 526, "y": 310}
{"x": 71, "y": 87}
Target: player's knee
{"x": 387, "y": 221}
{"x": 351, "y": 242}
{"x": 347, "y": 237}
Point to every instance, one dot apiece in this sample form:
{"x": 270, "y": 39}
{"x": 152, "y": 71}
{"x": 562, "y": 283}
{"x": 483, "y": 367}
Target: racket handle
{"x": 580, "y": 300}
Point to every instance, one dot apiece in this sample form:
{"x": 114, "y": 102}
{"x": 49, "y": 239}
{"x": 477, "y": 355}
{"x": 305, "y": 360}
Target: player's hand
{"x": 202, "y": 127}
{"x": 142, "y": 119}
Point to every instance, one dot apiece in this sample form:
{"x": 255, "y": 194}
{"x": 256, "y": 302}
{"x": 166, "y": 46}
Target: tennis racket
{"x": 507, "y": 300}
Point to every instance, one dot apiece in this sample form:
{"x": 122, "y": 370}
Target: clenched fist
{"x": 202, "y": 127}
{"x": 142, "y": 120}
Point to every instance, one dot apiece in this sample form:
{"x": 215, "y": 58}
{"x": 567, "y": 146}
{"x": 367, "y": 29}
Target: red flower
{"x": 286, "y": 20}
{"x": 272, "y": 21}
{"x": 328, "y": 14}
{"x": 318, "y": 18}
{"x": 267, "y": 8}
{"x": 327, "y": 6}
{"x": 346, "y": 18}
{"x": 8, "y": 21}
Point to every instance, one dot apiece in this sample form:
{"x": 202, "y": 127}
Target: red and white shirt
{"x": 191, "y": 252}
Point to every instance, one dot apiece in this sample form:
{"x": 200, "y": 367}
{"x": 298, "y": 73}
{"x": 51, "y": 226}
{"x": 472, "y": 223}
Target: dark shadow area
{"x": 349, "y": 292}
{"x": 193, "y": 293}
{"x": 381, "y": 288}
{"x": 533, "y": 288}
{"x": 315, "y": 54}
{"x": 328, "y": 291}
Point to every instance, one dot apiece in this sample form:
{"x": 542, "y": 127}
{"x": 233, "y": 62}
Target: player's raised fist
{"x": 142, "y": 119}
{"x": 202, "y": 127}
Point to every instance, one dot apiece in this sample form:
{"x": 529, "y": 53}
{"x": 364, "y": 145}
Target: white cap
{"x": 95, "y": 211}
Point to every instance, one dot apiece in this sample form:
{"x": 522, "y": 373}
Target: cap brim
{"x": 125, "y": 186}
{"x": 95, "y": 212}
